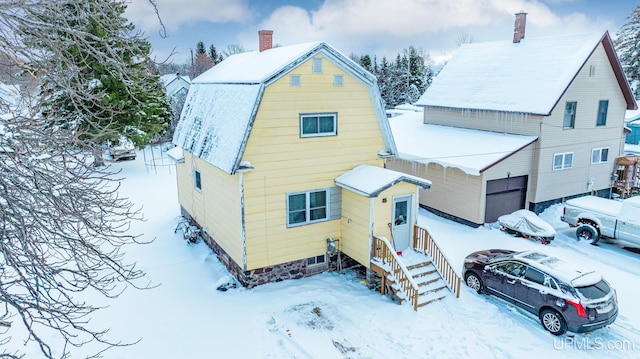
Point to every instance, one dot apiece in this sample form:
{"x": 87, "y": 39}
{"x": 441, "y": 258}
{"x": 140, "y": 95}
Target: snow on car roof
{"x": 563, "y": 270}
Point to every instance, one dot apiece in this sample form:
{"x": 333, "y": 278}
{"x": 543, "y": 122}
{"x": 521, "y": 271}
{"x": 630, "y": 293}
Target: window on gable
{"x": 307, "y": 207}
{"x": 569, "y": 114}
{"x": 312, "y": 125}
{"x": 599, "y": 155}
{"x": 197, "y": 180}
{"x": 317, "y": 66}
{"x": 338, "y": 80}
{"x": 294, "y": 80}
{"x": 602, "y": 113}
{"x": 562, "y": 161}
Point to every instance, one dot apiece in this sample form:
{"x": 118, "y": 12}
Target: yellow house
{"x": 282, "y": 163}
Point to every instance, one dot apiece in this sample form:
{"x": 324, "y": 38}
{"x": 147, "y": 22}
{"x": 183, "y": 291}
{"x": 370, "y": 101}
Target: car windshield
{"x": 595, "y": 291}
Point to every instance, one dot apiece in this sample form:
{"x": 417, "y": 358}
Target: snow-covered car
{"x": 561, "y": 295}
{"x": 125, "y": 150}
{"x": 528, "y": 225}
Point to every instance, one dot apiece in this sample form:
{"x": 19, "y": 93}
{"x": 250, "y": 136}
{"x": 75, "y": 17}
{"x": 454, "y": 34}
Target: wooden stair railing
{"x": 384, "y": 253}
{"x": 422, "y": 241}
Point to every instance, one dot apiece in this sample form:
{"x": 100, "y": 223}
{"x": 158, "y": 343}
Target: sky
{"x": 332, "y": 315}
{"x": 375, "y": 27}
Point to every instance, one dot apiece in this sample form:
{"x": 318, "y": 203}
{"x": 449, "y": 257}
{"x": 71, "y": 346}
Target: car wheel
{"x": 587, "y": 232}
{"x": 553, "y": 322}
{"x": 474, "y": 282}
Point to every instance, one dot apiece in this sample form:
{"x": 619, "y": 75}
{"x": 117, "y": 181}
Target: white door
{"x": 401, "y": 225}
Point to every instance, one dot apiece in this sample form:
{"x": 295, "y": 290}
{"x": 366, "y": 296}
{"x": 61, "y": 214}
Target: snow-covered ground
{"x": 334, "y": 315}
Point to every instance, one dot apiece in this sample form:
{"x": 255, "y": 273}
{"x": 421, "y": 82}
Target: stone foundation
{"x": 291, "y": 270}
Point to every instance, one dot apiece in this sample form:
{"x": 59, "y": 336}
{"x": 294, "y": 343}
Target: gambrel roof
{"x": 222, "y": 103}
{"x": 526, "y": 77}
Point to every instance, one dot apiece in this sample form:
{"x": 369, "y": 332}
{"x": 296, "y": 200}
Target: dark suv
{"x": 561, "y": 296}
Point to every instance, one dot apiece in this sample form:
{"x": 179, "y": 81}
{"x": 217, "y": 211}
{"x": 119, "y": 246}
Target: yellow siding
{"x": 284, "y": 162}
{"x": 217, "y": 207}
{"x": 383, "y": 207}
{"x": 356, "y": 227}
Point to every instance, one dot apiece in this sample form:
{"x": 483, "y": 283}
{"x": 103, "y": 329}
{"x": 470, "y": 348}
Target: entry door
{"x": 401, "y": 225}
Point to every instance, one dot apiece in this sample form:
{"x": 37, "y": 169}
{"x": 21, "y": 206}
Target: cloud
{"x": 177, "y": 13}
{"x": 385, "y": 27}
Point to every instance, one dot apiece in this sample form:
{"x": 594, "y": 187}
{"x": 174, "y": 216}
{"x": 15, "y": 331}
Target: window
{"x": 569, "y": 115}
{"x": 592, "y": 70}
{"x": 316, "y": 260}
{"x": 511, "y": 268}
{"x": 294, "y": 80}
{"x": 197, "y": 180}
{"x": 338, "y": 80}
{"x": 317, "y": 66}
{"x": 562, "y": 161}
{"x": 318, "y": 125}
{"x": 534, "y": 275}
{"x": 599, "y": 155}
{"x": 602, "y": 113}
{"x": 307, "y": 207}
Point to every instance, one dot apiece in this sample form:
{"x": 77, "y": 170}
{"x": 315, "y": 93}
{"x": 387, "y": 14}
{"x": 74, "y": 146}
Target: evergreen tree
{"x": 213, "y": 55}
{"x": 627, "y": 45}
{"x": 133, "y": 105}
{"x": 83, "y": 78}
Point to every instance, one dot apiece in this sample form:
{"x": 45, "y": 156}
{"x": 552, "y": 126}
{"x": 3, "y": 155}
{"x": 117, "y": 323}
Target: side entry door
{"x": 401, "y": 224}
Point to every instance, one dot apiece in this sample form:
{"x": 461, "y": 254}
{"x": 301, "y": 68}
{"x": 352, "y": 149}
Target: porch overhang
{"x": 370, "y": 181}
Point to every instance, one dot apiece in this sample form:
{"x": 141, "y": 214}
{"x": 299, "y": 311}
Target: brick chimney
{"x": 518, "y": 31}
{"x": 266, "y": 39}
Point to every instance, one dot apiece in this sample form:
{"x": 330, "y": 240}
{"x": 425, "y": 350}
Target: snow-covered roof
{"x": 215, "y": 122}
{"x": 176, "y": 154}
{"x": 255, "y": 66}
{"x": 222, "y": 103}
{"x": 169, "y": 78}
{"x": 526, "y": 77}
{"x": 471, "y": 151}
{"x": 370, "y": 181}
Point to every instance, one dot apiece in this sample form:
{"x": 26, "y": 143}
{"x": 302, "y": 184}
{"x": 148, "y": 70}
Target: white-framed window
{"x": 338, "y": 80}
{"x": 602, "y": 113}
{"x": 570, "y": 114}
{"x": 307, "y": 207}
{"x": 197, "y": 180}
{"x": 294, "y": 80}
{"x": 317, "y": 260}
{"x": 317, "y": 65}
{"x": 599, "y": 155}
{"x": 562, "y": 161}
{"x": 318, "y": 124}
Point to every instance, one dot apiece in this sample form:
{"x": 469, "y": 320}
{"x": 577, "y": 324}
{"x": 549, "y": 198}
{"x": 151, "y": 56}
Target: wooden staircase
{"x": 430, "y": 285}
{"x": 420, "y": 276}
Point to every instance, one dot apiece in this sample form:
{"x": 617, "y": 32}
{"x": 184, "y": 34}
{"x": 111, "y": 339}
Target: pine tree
{"x": 83, "y": 77}
{"x": 627, "y": 45}
{"x": 132, "y": 105}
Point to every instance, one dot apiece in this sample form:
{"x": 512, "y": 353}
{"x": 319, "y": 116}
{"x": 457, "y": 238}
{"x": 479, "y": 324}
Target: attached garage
{"x": 505, "y": 196}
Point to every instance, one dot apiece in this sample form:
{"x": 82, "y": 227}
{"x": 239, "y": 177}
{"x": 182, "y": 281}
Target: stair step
{"x": 418, "y": 265}
{"x": 433, "y": 287}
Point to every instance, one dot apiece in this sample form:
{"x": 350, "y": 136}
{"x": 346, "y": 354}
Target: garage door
{"x": 504, "y": 196}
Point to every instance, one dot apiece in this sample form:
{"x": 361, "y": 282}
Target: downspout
{"x": 243, "y": 234}
{"x": 371, "y": 234}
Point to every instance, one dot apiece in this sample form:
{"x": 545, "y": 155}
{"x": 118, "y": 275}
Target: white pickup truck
{"x": 598, "y": 217}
